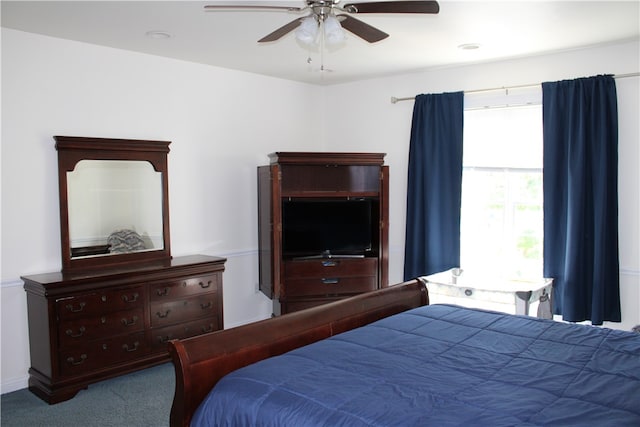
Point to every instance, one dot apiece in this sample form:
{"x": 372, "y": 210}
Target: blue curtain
{"x": 434, "y": 187}
{"x": 580, "y": 131}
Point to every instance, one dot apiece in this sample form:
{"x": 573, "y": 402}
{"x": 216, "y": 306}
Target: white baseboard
{"x": 14, "y": 384}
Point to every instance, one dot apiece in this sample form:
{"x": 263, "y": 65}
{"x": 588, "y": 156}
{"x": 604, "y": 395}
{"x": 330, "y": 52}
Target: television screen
{"x": 329, "y": 227}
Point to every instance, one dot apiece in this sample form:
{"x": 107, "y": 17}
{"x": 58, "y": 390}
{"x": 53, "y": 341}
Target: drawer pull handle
{"x": 208, "y": 328}
{"x": 163, "y": 293}
{"x": 331, "y": 281}
{"x": 468, "y": 292}
{"x": 133, "y": 321}
{"x": 206, "y": 305}
{"x": 134, "y": 298}
{"x": 79, "y": 334}
{"x": 162, "y": 315}
{"x": 329, "y": 263}
{"x": 72, "y": 360}
{"x": 75, "y": 310}
{"x": 205, "y": 286}
{"x": 126, "y": 348}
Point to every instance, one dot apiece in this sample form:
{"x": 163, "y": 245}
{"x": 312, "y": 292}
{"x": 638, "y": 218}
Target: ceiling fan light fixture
{"x": 307, "y": 32}
{"x": 333, "y": 31}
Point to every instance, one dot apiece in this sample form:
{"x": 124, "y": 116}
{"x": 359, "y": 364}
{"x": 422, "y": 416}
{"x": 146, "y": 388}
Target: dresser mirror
{"x": 115, "y": 206}
{"x": 113, "y": 201}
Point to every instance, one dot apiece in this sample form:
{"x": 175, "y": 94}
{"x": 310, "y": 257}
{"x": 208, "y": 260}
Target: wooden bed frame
{"x": 200, "y": 362}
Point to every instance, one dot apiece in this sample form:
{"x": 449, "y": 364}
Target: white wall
{"x": 367, "y": 118}
{"x": 222, "y": 124}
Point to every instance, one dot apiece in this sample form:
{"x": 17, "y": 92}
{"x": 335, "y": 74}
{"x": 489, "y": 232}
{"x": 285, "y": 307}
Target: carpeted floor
{"x": 139, "y": 399}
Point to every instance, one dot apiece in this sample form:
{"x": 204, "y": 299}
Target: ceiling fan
{"x": 321, "y": 12}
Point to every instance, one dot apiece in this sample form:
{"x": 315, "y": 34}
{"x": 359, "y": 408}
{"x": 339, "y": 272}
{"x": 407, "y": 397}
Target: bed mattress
{"x": 441, "y": 365}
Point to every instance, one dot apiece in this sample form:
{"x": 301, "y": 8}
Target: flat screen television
{"x": 329, "y": 227}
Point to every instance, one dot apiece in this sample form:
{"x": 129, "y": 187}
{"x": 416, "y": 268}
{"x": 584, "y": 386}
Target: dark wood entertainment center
{"x": 309, "y": 260}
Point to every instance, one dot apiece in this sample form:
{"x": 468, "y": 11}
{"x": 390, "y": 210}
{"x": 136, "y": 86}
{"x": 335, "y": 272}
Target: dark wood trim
{"x": 332, "y": 158}
{"x": 384, "y": 227}
{"x": 200, "y": 362}
{"x": 105, "y": 146}
{"x": 71, "y": 150}
{"x": 59, "y": 283}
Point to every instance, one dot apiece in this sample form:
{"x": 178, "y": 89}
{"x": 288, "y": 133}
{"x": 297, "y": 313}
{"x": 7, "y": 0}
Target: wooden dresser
{"x": 87, "y": 327}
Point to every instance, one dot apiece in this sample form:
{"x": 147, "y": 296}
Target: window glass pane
{"x": 503, "y": 137}
{"x": 501, "y": 219}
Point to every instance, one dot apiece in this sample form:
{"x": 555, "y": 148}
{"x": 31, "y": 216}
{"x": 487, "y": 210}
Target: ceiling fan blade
{"x": 212, "y": 7}
{"x": 361, "y": 29}
{"x": 407, "y": 6}
{"x": 285, "y": 29}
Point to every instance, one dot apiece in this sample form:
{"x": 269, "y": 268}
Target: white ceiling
{"x": 228, "y": 39}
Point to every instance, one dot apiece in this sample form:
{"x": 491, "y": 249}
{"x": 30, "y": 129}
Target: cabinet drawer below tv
{"x": 330, "y": 267}
{"x": 329, "y": 285}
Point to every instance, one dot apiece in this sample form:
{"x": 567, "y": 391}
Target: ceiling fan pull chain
{"x": 321, "y": 45}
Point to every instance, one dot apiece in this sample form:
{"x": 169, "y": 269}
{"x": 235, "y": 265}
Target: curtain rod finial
{"x": 394, "y": 99}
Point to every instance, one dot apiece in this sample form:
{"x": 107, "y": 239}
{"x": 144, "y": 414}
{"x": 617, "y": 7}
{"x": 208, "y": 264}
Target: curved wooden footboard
{"x": 200, "y": 362}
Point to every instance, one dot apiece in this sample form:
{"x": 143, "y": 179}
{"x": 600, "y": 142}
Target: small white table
{"x": 458, "y": 284}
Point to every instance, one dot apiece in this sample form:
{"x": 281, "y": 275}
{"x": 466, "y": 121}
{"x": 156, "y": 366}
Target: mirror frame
{"x": 71, "y": 150}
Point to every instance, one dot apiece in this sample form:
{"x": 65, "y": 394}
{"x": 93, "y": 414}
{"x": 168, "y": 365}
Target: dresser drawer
{"x": 330, "y": 267}
{"x": 98, "y": 303}
{"x": 330, "y": 286}
{"x": 160, "y": 336}
{"x": 102, "y": 353}
{"x": 79, "y": 331}
{"x": 185, "y": 287}
{"x": 171, "y": 312}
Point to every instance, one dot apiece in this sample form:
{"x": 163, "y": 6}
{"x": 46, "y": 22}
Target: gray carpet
{"x": 139, "y": 399}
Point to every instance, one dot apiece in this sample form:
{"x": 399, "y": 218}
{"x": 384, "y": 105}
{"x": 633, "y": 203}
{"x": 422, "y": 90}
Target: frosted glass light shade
{"x": 307, "y": 32}
{"x": 333, "y": 32}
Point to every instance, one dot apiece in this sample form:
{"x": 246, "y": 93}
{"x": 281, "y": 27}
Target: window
{"x": 502, "y": 217}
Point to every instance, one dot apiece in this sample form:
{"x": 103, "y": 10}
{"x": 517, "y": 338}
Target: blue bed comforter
{"x": 441, "y": 365}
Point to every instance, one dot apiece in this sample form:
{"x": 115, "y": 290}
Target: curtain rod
{"x": 411, "y": 98}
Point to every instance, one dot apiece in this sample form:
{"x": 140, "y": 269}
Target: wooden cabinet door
{"x": 270, "y": 230}
{"x": 383, "y": 253}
